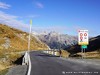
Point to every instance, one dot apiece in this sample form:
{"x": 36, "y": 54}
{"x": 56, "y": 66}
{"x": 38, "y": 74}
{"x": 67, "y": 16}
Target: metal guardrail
{"x": 52, "y": 52}
{"x": 27, "y": 61}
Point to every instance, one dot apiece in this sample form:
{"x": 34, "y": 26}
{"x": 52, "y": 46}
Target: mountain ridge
{"x": 94, "y": 44}
{"x": 56, "y": 41}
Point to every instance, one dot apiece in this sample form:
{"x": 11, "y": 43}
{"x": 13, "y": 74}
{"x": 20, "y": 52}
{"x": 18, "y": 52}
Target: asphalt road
{"x": 45, "y": 64}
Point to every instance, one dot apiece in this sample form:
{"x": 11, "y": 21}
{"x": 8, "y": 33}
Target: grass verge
{"x": 3, "y": 72}
{"x": 7, "y": 61}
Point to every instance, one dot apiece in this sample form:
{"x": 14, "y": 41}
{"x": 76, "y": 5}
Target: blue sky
{"x": 64, "y": 16}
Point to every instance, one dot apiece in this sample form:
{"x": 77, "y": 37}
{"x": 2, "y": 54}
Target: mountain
{"x": 94, "y": 45}
{"x": 14, "y": 39}
{"x": 55, "y": 40}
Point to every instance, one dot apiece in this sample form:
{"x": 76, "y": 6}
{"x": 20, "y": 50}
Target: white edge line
{"x": 30, "y": 66}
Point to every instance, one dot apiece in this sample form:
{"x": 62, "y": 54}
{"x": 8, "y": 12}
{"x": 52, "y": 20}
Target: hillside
{"x": 93, "y": 49}
{"x": 94, "y": 44}
{"x": 16, "y": 40}
{"x": 55, "y": 40}
{"x": 12, "y": 43}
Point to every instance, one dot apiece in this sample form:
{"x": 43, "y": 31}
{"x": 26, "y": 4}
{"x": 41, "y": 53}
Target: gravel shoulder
{"x": 18, "y": 70}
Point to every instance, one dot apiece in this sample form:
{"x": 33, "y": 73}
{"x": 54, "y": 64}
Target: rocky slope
{"x": 55, "y": 40}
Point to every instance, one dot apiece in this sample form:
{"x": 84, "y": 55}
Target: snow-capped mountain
{"x": 56, "y": 40}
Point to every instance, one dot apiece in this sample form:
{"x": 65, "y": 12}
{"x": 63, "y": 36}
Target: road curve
{"x": 45, "y": 64}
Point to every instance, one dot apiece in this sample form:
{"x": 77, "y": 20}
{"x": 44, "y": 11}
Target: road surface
{"x": 45, "y": 64}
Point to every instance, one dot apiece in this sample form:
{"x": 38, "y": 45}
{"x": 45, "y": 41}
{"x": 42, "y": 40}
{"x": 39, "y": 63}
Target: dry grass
{"x": 3, "y": 72}
{"x": 65, "y": 54}
{"x": 93, "y": 54}
{"x": 7, "y": 61}
{"x": 18, "y": 42}
{"x": 2, "y": 67}
{"x": 2, "y": 41}
{"x": 19, "y": 39}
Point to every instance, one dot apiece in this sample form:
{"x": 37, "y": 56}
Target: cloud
{"x": 66, "y": 29}
{"x": 7, "y": 16}
{"x": 11, "y": 20}
{"x": 4, "y": 5}
{"x": 39, "y": 5}
{"x": 33, "y": 16}
{"x": 29, "y": 16}
{"x": 57, "y": 28}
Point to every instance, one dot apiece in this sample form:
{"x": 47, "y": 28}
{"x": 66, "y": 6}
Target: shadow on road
{"x": 47, "y": 55}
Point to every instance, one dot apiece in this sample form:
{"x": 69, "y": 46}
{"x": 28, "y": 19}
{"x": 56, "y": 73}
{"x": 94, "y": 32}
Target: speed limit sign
{"x": 83, "y": 37}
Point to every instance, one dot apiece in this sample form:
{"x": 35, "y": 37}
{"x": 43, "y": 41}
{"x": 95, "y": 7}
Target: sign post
{"x": 29, "y": 35}
{"x": 83, "y": 40}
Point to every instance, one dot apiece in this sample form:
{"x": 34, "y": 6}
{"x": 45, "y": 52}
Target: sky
{"x": 63, "y": 16}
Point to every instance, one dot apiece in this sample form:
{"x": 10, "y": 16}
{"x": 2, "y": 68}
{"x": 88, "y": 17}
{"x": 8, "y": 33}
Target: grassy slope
{"x": 93, "y": 50}
{"x": 3, "y": 72}
{"x": 18, "y": 42}
{"x": 19, "y": 39}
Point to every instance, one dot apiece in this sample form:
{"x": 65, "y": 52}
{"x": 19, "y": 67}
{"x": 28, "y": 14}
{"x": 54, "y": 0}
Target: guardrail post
{"x": 25, "y": 59}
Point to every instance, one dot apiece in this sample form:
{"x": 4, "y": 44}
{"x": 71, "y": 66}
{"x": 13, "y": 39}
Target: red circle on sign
{"x": 81, "y": 34}
{"x": 81, "y": 37}
{"x": 85, "y": 34}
